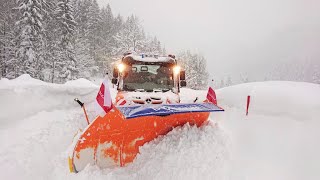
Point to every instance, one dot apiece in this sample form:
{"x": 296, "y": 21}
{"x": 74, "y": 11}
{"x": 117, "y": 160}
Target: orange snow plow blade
{"x": 114, "y": 140}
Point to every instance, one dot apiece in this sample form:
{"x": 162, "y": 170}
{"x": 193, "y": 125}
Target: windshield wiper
{"x": 152, "y": 90}
{"x": 140, "y": 90}
{"x": 161, "y": 90}
{"x": 157, "y": 90}
{"x": 165, "y": 90}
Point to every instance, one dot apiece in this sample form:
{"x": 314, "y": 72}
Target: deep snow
{"x": 278, "y": 140}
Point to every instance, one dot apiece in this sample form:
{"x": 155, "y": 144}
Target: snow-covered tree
{"x": 195, "y": 67}
{"x": 51, "y": 46}
{"x": 66, "y": 28}
{"x": 244, "y": 78}
{"x": 49, "y": 41}
{"x": 153, "y": 46}
{"x": 316, "y": 74}
{"x": 66, "y": 22}
{"x": 107, "y": 32}
{"x": 229, "y": 81}
{"x": 8, "y": 62}
{"x": 105, "y": 49}
{"x": 92, "y": 36}
{"x": 131, "y": 36}
{"x": 94, "y": 28}
{"x": 31, "y": 31}
{"x": 85, "y": 62}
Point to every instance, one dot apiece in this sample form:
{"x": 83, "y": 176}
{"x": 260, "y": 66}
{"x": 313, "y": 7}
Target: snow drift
{"x": 25, "y": 96}
{"x": 278, "y": 140}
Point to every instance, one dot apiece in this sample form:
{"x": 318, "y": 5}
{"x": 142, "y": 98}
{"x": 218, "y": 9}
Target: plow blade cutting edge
{"x": 114, "y": 140}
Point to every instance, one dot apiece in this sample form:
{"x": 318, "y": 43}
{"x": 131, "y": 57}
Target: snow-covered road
{"x": 278, "y": 140}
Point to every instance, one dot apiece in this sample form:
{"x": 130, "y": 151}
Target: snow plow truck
{"x": 147, "y": 105}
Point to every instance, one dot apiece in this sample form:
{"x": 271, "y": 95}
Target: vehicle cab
{"x": 148, "y": 79}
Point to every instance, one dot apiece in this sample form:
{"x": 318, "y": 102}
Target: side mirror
{"x": 114, "y": 81}
{"x": 183, "y": 83}
{"x": 115, "y": 73}
{"x": 183, "y": 75}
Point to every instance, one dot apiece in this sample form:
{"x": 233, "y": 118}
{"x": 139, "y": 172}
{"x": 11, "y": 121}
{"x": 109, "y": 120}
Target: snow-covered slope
{"x": 278, "y": 140}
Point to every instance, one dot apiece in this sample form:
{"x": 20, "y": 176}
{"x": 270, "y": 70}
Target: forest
{"x": 61, "y": 40}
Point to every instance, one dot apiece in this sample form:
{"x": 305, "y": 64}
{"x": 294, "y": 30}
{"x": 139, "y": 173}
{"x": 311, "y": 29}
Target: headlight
{"x": 121, "y": 67}
{"x": 176, "y": 70}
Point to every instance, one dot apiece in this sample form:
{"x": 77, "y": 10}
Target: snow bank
{"x": 80, "y": 83}
{"x": 37, "y": 123}
{"x": 24, "y": 79}
{"x": 279, "y": 138}
{"x": 295, "y": 99}
{"x": 184, "y": 153}
{"x": 25, "y": 96}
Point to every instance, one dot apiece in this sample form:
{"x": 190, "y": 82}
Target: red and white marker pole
{"x": 248, "y": 103}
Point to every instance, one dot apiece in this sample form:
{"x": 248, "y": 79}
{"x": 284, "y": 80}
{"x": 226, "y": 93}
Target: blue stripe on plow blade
{"x": 166, "y": 109}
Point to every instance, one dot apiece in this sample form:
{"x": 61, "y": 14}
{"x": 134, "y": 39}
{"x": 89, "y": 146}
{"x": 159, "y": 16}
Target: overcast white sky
{"x": 235, "y": 36}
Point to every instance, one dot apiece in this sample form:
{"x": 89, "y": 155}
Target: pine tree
{"x": 107, "y": 32}
{"x": 131, "y": 36}
{"x": 8, "y": 62}
{"x": 66, "y": 28}
{"x": 31, "y": 31}
{"x": 244, "y": 78}
{"x": 105, "y": 50}
{"x": 202, "y": 71}
{"x": 94, "y": 28}
{"x": 229, "y": 81}
{"x": 51, "y": 46}
{"x": 152, "y": 46}
{"x": 66, "y": 22}
{"x": 90, "y": 37}
{"x": 316, "y": 74}
{"x": 85, "y": 62}
{"x": 41, "y": 38}
{"x": 195, "y": 67}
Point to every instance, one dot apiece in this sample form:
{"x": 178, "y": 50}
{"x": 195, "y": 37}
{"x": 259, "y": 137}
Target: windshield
{"x": 148, "y": 78}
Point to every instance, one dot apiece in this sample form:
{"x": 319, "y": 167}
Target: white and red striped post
{"x": 248, "y": 103}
